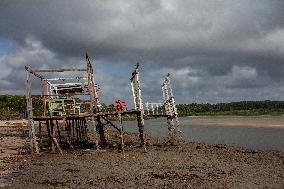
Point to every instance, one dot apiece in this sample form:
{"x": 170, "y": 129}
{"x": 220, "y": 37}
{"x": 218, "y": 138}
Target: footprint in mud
{"x": 71, "y": 170}
{"x": 4, "y": 182}
{"x": 53, "y": 183}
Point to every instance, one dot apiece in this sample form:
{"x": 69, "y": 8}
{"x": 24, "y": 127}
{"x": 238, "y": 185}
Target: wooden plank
{"x": 67, "y": 95}
{"x": 64, "y": 78}
{"x": 42, "y": 118}
{"x": 61, "y": 70}
{"x": 129, "y": 112}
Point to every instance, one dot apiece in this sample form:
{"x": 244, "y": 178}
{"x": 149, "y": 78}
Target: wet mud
{"x": 164, "y": 165}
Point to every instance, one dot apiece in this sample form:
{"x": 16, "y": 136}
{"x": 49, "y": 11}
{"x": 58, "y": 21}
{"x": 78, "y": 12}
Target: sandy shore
{"x": 186, "y": 165}
{"x": 254, "y": 121}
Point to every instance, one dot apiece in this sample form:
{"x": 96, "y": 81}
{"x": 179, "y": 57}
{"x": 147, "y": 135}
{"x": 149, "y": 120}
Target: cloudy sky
{"x": 216, "y": 51}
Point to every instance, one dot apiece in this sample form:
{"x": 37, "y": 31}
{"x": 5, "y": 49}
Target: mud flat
{"x": 254, "y": 121}
{"x": 185, "y": 165}
{"x": 12, "y": 150}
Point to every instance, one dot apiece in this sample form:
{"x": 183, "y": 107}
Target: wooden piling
{"x": 101, "y": 128}
{"x": 58, "y": 131}
{"x": 52, "y": 131}
{"x": 121, "y": 133}
{"x": 48, "y": 132}
{"x": 40, "y": 132}
{"x": 32, "y": 136}
{"x": 140, "y": 121}
{"x": 69, "y": 130}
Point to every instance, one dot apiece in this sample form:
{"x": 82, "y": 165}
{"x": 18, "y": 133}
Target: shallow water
{"x": 246, "y": 136}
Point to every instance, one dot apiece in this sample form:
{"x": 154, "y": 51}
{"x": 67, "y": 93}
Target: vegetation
{"x": 15, "y": 105}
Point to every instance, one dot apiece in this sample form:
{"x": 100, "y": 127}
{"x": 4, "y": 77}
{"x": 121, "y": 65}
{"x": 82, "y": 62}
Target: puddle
{"x": 4, "y": 182}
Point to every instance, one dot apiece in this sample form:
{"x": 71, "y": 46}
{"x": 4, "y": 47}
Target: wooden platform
{"x": 42, "y": 118}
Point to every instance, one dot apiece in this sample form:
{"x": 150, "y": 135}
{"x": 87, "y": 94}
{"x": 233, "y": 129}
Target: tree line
{"x": 233, "y": 108}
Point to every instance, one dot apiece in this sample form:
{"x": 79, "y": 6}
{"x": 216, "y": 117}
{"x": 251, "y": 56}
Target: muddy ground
{"x": 186, "y": 165}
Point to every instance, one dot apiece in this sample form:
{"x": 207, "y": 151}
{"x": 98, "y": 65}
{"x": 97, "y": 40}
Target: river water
{"x": 262, "y": 138}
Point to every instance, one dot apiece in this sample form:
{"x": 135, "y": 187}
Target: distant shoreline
{"x": 265, "y": 121}
{"x": 253, "y": 121}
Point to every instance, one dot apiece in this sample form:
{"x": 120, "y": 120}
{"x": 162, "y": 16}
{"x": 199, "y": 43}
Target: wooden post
{"x": 121, "y": 132}
{"x": 170, "y": 108}
{"x": 85, "y": 130}
{"x": 39, "y": 132}
{"x": 101, "y": 129}
{"x": 52, "y": 131}
{"x": 55, "y": 143}
{"x": 140, "y": 121}
{"x": 80, "y": 130}
{"x": 73, "y": 130}
{"x": 58, "y": 131}
{"x": 95, "y": 105}
{"x": 32, "y": 136}
{"x": 69, "y": 130}
{"x": 48, "y": 132}
{"x": 138, "y": 104}
{"x": 76, "y": 130}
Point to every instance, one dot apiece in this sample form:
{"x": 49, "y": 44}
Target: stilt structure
{"x": 65, "y": 115}
{"x": 62, "y": 117}
{"x": 65, "y": 118}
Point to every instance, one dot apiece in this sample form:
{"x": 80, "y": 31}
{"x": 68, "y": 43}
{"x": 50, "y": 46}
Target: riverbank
{"x": 188, "y": 164}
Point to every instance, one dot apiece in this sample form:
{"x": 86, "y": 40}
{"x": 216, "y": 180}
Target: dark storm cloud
{"x": 211, "y": 47}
